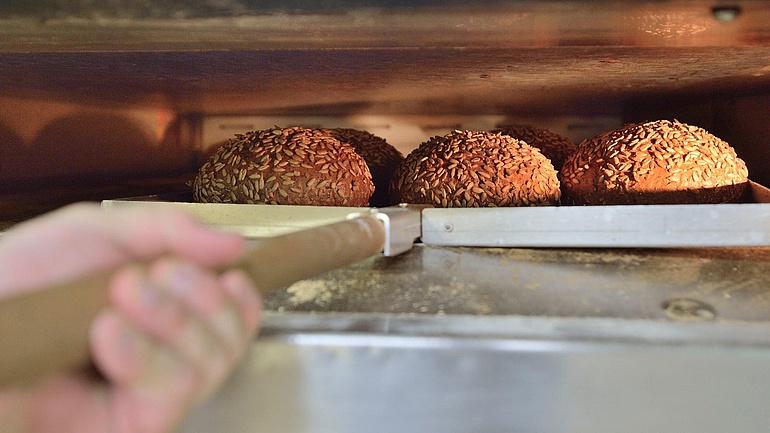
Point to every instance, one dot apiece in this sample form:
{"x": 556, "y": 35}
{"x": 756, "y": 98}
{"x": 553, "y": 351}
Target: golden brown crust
{"x": 476, "y": 169}
{"x": 554, "y": 146}
{"x": 290, "y": 166}
{"x": 659, "y": 162}
{"x": 381, "y": 157}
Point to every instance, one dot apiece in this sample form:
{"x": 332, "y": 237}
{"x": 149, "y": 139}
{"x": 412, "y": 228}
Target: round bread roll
{"x": 554, "y": 146}
{"x": 290, "y": 166}
{"x": 659, "y": 162}
{"x": 476, "y": 169}
{"x": 381, "y": 157}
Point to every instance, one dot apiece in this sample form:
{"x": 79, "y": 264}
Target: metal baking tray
{"x": 251, "y": 221}
{"x": 628, "y": 226}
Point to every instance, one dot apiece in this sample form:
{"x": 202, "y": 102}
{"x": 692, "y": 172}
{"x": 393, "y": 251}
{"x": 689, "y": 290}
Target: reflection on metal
{"x": 402, "y": 226}
{"x": 543, "y": 375}
{"x": 673, "y": 25}
{"x": 726, "y": 13}
{"x": 687, "y": 310}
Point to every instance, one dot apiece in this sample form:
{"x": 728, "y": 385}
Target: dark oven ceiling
{"x": 396, "y": 56}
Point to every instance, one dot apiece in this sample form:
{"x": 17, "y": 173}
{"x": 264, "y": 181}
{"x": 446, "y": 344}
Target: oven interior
{"x": 102, "y": 100}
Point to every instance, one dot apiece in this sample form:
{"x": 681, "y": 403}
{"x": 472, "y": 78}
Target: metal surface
{"x": 193, "y": 24}
{"x": 663, "y": 226}
{"x": 402, "y": 227}
{"x": 723, "y": 225}
{"x": 401, "y": 223}
{"x": 630, "y": 284}
{"x": 402, "y": 57}
{"x": 252, "y": 221}
{"x": 426, "y": 80}
{"x": 408, "y": 380}
{"x": 617, "y": 283}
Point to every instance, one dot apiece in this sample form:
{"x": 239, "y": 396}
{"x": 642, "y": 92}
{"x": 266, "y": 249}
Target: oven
{"x": 121, "y": 103}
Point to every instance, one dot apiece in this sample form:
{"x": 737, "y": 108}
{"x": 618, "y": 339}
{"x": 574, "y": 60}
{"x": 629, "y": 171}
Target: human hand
{"x": 173, "y": 331}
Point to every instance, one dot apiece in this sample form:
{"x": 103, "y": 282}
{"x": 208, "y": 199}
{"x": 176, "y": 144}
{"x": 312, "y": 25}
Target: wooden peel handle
{"x": 46, "y": 331}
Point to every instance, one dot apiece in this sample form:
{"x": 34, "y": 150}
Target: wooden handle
{"x": 46, "y": 331}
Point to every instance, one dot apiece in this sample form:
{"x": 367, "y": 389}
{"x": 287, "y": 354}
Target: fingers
{"x": 176, "y": 330}
{"x": 151, "y": 388}
{"x": 242, "y": 291}
{"x": 40, "y": 250}
{"x": 129, "y": 357}
{"x": 148, "y": 232}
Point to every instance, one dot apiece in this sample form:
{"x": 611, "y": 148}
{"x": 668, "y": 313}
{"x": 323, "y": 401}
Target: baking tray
{"x": 744, "y": 224}
{"x": 622, "y": 226}
{"x": 251, "y": 221}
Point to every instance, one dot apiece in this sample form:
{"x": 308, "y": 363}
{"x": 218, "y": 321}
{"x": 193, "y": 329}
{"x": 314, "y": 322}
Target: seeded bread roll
{"x": 381, "y": 157}
{"x": 659, "y": 162}
{"x": 290, "y": 166}
{"x": 554, "y": 146}
{"x": 476, "y": 169}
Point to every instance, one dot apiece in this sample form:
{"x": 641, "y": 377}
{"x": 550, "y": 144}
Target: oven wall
{"x": 112, "y": 99}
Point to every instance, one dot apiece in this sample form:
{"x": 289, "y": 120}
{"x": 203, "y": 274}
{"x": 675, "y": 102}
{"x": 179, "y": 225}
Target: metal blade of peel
{"x": 46, "y": 331}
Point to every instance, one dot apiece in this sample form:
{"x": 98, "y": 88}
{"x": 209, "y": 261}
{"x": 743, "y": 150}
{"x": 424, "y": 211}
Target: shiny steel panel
{"x": 662, "y": 226}
{"x": 557, "y": 381}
